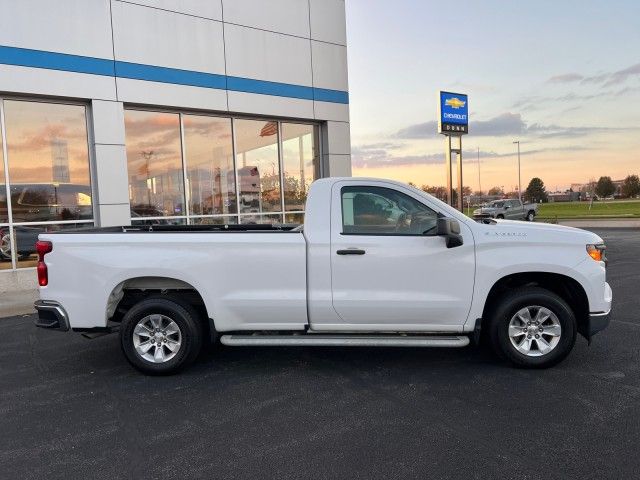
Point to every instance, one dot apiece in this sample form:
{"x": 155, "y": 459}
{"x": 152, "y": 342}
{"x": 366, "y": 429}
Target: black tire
{"x": 531, "y": 216}
{"x": 504, "y": 311}
{"x": 187, "y": 320}
{"x": 500, "y": 216}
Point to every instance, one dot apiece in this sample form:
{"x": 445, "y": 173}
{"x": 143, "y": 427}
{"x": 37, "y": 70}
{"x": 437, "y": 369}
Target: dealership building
{"x": 164, "y": 111}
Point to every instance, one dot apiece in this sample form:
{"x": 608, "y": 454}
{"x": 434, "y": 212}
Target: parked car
{"x": 507, "y": 209}
{"x": 25, "y": 238}
{"x": 376, "y": 263}
{"x": 44, "y": 202}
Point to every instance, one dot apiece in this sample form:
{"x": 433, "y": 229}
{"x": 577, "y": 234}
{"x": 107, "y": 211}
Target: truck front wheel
{"x": 160, "y": 336}
{"x": 531, "y": 216}
{"x": 533, "y": 328}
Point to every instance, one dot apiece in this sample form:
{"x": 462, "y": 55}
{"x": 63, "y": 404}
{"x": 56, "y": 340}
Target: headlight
{"x": 597, "y": 252}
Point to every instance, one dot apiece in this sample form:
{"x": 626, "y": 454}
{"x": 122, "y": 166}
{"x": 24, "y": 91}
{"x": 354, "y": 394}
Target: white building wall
{"x": 225, "y": 44}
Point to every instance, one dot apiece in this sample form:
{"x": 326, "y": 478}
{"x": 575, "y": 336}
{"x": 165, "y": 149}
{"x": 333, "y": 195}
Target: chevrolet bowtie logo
{"x": 454, "y": 102}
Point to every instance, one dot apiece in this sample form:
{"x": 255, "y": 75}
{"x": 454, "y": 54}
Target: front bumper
{"x": 51, "y": 315}
{"x": 598, "y": 322}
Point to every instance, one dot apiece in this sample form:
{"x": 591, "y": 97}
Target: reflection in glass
{"x": 209, "y": 160}
{"x": 215, "y": 221}
{"x": 5, "y": 248}
{"x": 300, "y": 163}
{"x": 48, "y": 162}
{"x": 154, "y": 162}
{"x": 297, "y": 218}
{"x": 159, "y": 221}
{"x": 26, "y": 237}
{"x": 260, "y": 219}
{"x": 258, "y": 166}
{"x": 4, "y": 210}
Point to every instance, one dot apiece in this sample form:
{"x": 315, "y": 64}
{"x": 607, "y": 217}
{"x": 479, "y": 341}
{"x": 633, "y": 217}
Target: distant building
{"x": 60, "y": 160}
{"x": 567, "y": 196}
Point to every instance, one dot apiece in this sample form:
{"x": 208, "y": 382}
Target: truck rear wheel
{"x": 160, "y": 336}
{"x": 533, "y": 328}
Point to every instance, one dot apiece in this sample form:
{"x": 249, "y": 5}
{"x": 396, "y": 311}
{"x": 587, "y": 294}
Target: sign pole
{"x": 451, "y": 149}
{"x": 448, "y": 167}
{"x": 460, "y": 192}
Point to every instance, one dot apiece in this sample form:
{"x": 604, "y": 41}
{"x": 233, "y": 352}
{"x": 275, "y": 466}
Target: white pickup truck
{"x": 376, "y": 263}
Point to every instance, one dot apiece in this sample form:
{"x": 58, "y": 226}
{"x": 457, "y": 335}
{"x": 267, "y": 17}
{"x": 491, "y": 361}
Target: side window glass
{"x": 384, "y": 211}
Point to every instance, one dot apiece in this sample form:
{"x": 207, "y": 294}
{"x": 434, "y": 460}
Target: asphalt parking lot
{"x": 73, "y": 408}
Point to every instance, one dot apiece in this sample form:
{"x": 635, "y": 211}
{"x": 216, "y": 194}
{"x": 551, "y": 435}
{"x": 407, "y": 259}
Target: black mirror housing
{"x": 450, "y": 229}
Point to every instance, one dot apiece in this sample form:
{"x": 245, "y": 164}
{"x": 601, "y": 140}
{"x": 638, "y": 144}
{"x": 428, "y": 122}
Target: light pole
{"x": 479, "y": 184}
{"x": 519, "y": 183}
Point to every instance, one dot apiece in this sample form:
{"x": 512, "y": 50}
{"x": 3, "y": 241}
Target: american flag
{"x": 270, "y": 128}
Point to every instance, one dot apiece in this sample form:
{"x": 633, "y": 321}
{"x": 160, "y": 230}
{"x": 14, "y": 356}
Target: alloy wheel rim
{"x": 5, "y": 246}
{"x": 157, "y": 338}
{"x": 535, "y": 331}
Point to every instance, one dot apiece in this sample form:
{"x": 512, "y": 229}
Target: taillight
{"x": 43, "y": 247}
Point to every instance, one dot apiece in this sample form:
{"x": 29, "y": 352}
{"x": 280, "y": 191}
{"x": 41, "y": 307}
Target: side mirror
{"x": 507, "y": 207}
{"x": 450, "y": 229}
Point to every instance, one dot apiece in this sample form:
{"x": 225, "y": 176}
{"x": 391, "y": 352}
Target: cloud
{"x": 614, "y": 78}
{"x": 566, "y": 78}
{"x": 378, "y": 155}
{"x": 372, "y": 156}
{"x": 504, "y": 124}
{"x": 420, "y": 130}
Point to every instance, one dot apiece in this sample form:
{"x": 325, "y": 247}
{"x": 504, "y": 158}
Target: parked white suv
{"x": 377, "y": 263}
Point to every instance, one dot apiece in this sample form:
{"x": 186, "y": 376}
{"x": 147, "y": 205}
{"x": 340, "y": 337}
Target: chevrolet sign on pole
{"x": 454, "y": 114}
{"x": 453, "y": 121}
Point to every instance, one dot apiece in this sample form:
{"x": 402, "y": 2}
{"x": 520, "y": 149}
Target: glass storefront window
{"x": 154, "y": 159}
{"x": 260, "y": 219}
{"x": 301, "y": 164}
{"x": 214, "y": 220}
{"x": 48, "y": 160}
{"x": 47, "y": 155}
{"x": 4, "y": 210}
{"x": 230, "y": 168}
{"x": 208, "y": 150}
{"x": 257, "y": 166}
{"x": 5, "y": 237}
{"x": 159, "y": 221}
{"x": 297, "y": 218}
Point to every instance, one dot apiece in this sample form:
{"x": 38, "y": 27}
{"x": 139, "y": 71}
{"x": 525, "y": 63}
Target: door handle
{"x": 351, "y": 251}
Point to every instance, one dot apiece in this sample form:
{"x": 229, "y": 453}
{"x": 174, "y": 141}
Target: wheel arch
{"x": 132, "y": 290}
{"x": 569, "y": 289}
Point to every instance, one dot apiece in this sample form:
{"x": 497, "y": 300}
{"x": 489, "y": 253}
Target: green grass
{"x": 607, "y": 208}
{"x": 600, "y": 209}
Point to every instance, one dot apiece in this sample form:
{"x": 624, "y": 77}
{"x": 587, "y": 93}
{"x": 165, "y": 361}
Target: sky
{"x": 562, "y": 76}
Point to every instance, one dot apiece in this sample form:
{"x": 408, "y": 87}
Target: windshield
{"x": 495, "y": 204}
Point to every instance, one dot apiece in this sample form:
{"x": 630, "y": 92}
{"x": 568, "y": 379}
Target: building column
{"x": 336, "y": 149}
{"x": 110, "y": 164}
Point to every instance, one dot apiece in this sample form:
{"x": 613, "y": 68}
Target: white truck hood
{"x": 536, "y": 232}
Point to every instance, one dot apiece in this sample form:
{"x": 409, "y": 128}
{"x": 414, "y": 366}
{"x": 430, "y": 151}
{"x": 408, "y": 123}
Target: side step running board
{"x": 316, "y": 340}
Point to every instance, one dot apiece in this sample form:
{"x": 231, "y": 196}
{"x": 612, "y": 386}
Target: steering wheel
{"x": 401, "y": 223}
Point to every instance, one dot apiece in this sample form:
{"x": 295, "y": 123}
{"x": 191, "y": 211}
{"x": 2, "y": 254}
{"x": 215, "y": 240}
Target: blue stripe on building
{"x": 99, "y": 66}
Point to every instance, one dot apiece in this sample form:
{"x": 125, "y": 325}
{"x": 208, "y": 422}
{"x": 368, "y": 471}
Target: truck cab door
{"x": 389, "y": 269}
{"x": 513, "y": 212}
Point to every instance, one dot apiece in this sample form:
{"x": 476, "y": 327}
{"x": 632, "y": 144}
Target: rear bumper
{"x": 51, "y": 315}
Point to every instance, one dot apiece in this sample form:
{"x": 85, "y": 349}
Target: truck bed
{"x": 263, "y": 227}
